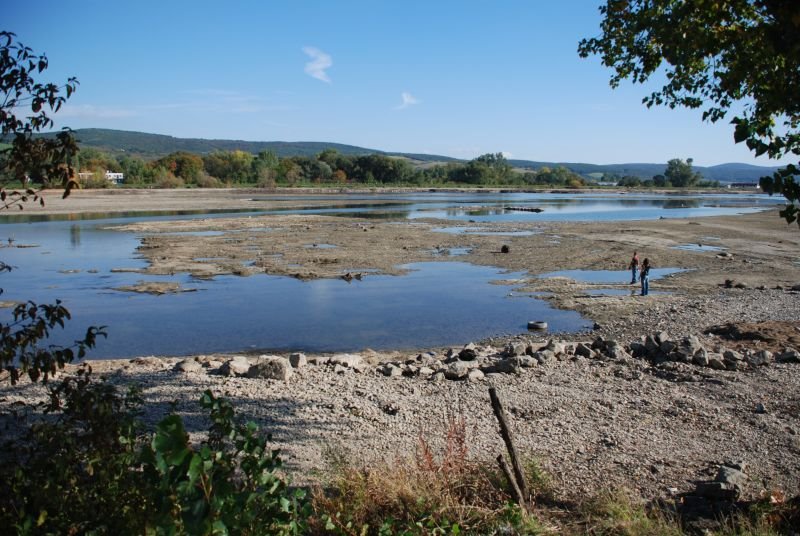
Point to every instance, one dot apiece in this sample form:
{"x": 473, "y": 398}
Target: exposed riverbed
{"x": 595, "y": 424}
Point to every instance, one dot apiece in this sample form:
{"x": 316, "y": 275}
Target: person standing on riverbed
{"x": 644, "y": 277}
{"x": 634, "y": 266}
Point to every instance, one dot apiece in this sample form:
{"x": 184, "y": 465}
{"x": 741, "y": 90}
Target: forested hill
{"x": 152, "y": 146}
{"x": 720, "y": 172}
{"x": 157, "y": 145}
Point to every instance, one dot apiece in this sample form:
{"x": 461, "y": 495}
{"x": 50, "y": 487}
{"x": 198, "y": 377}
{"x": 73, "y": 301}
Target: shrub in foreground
{"x": 91, "y": 469}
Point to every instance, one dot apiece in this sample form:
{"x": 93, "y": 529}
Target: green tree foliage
{"x": 136, "y": 170}
{"x": 230, "y": 166}
{"x": 629, "y": 182}
{"x": 739, "y": 57}
{"x": 44, "y": 161}
{"x": 265, "y": 168}
{"x": 183, "y": 165}
{"x": 559, "y": 176}
{"x": 381, "y": 169}
{"x": 490, "y": 168}
{"x": 660, "y": 181}
{"x": 328, "y": 167}
{"x": 89, "y": 159}
{"x": 679, "y": 173}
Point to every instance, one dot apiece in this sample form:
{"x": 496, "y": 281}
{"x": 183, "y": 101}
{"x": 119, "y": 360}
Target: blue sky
{"x": 458, "y": 78}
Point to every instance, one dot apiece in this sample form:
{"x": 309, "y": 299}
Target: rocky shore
{"x": 654, "y": 415}
{"x": 664, "y": 391}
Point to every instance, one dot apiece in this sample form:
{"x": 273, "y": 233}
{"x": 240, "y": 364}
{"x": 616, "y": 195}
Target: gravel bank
{"x": 595, "y": 424}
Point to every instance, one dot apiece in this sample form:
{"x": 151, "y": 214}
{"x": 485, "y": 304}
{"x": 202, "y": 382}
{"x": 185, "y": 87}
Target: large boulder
{"x": 555, "y": 347}
{"x": 789, "y": 355}
{"x": 271, "y": 368}
{"x": 716, "y": 361}
{"x": 700, "y": 358}
{"x": 189, "y": 365}
{"x": 510, "y": 365}
{"x": 238, "y": 365}
{"x": 515, "y": 348}
{"x": 298, "y": 360}
{"x": 458, "y": 370}
{"x": 475, "y": 375}
{"x": 391, "y": 370}
{"x": 468, "y": 353}
{"x": 544, "y": 357}
{"x": 583, "y": 350}
{"x": 760, "y": 358}
{"x": 353, "y": 361}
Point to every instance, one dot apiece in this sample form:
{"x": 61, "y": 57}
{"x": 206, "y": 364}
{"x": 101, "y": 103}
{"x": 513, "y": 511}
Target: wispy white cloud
{"x": 507, "y": 154}
{"x": 319, "y": 62}
{"x": 408, "y": 100}
{"x": 88, "y": 111}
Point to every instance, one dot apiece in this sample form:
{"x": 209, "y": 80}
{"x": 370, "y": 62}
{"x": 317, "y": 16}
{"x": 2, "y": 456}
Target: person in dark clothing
{"x": 644, "y": 276}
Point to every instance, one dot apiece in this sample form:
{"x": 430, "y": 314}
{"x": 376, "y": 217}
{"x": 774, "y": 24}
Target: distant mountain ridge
{"x": 152, "y": 146}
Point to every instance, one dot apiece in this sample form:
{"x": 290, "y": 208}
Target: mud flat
{"x": 653, "y": 428}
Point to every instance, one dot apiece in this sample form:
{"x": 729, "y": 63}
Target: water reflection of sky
{"x": 436, "y": 304}
{"x": 478, "y": 207}
{"x": 609, "y": 276}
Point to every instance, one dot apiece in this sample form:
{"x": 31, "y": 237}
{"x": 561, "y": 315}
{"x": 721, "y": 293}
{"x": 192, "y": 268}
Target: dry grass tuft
{"x": 438, "y": 491}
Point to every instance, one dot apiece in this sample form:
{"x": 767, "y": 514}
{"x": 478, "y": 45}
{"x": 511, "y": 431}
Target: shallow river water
{"x": 435, "y": 304}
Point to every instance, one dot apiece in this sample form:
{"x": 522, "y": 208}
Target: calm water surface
{"x": 435, "y": 304}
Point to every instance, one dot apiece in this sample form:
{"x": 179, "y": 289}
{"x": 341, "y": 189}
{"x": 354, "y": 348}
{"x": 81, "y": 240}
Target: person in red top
{"x": 634, "y": 266}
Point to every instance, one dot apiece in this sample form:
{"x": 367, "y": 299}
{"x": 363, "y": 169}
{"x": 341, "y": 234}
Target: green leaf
{"x": 195, "y": 468}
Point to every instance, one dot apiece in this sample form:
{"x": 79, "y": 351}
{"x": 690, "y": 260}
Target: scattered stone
{"x": 511, "y": 365}
{"x": 271, "y": 368}
{"x": 584, "y": 351}
{"x": 390, "y": 409}
{"x": 555, "y": 347}
{"x": 391, "y": 370}
{"x": 515, "y": 349}
{"x": 475, "y": 375}
{"x": 319, "y": 360}
{"x": 353, "y": 361}
{"x": 789, "y": 355}
{"x": 701, "y": 358}
{"x": 148, "y": 361}
{"x": 438, "y": 377}
{"x": 468, "y": 353}
{"x": 238, "y": 365}
{"x": 297, "y": 360}
{"x": 760, "y": 358}
{"x": 458, "y": 370}
{"x": 189, "y": 365}
{"x": 716, "y": 362}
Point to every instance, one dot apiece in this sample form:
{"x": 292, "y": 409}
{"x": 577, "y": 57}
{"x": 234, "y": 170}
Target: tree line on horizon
{"x": 332, "y": 168}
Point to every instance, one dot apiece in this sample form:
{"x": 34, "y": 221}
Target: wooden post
{"x": 512, "y": 451}
{"x": 516, "y": 494}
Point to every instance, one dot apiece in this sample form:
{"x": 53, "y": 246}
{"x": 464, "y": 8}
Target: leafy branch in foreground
{"x": 44, "y": 161}
{"x": 737, "y": 56}
{"x": 25, "y": 108}
{"x": 19, "y": 341}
